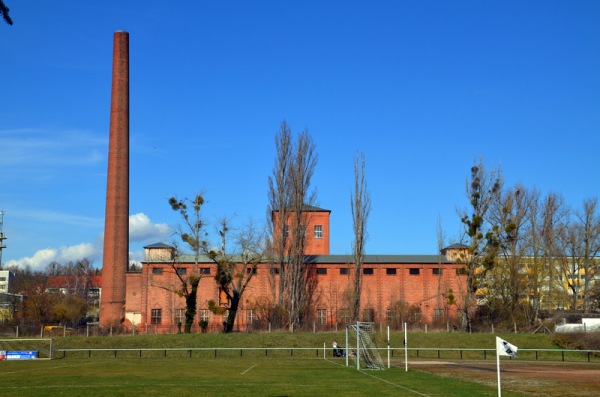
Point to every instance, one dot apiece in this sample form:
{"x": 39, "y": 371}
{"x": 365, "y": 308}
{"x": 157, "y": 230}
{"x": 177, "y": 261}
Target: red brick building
{"x": 396, "y": 288}
{"x": 87, "y": 286}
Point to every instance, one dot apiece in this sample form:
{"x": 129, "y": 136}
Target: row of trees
{"x": 526, "y": 252}
{"x": 70, "y": 305}
{"x": 290, "y": 202}
{"x": 282, "y": 245}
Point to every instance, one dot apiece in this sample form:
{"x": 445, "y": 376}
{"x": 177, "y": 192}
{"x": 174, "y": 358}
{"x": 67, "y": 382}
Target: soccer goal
{"x": 19, "y": 349}
{"x": 361, "y": 346}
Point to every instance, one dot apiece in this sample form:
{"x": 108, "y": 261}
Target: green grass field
{"x": 291, "y": 376}
{"x": 231, "y": 373}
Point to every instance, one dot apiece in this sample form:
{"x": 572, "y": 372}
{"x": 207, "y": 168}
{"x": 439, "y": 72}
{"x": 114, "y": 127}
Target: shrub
{"x": 578, "y": 341}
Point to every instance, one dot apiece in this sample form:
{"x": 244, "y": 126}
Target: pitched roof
{"x": 66, "y": 281}
{"x": 456, "y": 246}
{"x": 312, "y": 208}
{"x": 158, "y": 245}
{"x": 309, "y": 208}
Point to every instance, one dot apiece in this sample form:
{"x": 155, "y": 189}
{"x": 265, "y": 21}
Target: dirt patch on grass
{"x": 534, "y": 378}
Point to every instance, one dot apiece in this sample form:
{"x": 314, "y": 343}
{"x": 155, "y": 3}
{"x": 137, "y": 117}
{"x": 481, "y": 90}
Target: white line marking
{"x": 394, "y": 384}
{"x": 243, "y": 373}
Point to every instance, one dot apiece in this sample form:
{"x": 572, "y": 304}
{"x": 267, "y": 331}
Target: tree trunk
{"x": 190, "y": 303}
{"x": 233, "y": 308}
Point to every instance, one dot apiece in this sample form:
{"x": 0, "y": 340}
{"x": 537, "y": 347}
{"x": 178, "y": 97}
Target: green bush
{"x": 578, "y": 341}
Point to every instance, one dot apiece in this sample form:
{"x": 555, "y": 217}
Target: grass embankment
{"x": 308, "y": 340}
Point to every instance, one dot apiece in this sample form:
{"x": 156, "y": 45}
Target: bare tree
{"x": 4, "y": 12}
{"x": 289, "y": 197}
{"x": 279, "y": 186}
{"x": 360, "y": 205}
{"x": 481, "y": 236}
{"x": 440, "y": 242}
{"x": 589, "y": 225}
{"x": 510, "y": 210}
{"x": 536, "y": 263}
{"x": 234, "y": 272}
{"x": 571, "y": 263}
{"x": 552, "y": 225}
{"x": 302, "y": 170}
{"x": 192, "y": 235}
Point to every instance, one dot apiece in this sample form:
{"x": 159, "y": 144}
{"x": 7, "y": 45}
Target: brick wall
{"x": 405, "y": 288}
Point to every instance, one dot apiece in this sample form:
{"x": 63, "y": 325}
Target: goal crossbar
{"x": 43, "y": 346}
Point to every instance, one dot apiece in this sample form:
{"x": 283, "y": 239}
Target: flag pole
{"x": 388, "y": 349}
{"x": 405, "y": 348}
{"x": 498, "y": 368}
{"x": 503, "y": 348}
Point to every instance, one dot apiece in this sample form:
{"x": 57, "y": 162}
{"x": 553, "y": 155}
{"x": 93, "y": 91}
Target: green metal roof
{"x": 342, "y": 259}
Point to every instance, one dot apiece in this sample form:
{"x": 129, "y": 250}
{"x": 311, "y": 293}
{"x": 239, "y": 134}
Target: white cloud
{"x": 44, "y": 257}
{"x": 76, "y": 252}
{"x": 38, "y": 261}
{"x": 135, "y": 257}
{"x": 142, "y": 229}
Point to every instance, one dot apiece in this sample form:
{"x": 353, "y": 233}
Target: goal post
{"x": 361, "y": 346}
{"x": 39, "y": 348}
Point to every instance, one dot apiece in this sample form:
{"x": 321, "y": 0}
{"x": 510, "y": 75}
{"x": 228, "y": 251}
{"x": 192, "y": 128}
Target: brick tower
{"x": 116, "y": 221}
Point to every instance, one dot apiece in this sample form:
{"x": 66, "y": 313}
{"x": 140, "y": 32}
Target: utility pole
{"x": 2, "y": 237}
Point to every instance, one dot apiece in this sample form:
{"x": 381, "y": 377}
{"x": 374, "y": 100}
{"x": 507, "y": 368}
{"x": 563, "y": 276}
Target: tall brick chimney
{"x": 116, "y": 221}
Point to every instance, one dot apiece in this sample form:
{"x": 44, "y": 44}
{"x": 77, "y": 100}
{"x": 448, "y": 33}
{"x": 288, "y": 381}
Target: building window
{"x": 250, "y": 316}
{"x": 181, "y": 271}
{"x": 321, "y": 270}
{"x": 462, "y": 271}
{"x": 223, "y": 300}
{"x": 438, "y": 314}
{"x": 274, "y": 270}
{"x": 436, "y": 271}
{"x": 203, "y": 315}
{"x": 156, "y": 316}
{"x": 345, "y": 316}
{"x": 94, "y": 293}
{"x": 414, "y": 271}
{"x": 368, "y": 270}
{"x": 205, "y": 270}
{"x": 179, "y": 316}
{"x": 390, "y": 270}
{"x": 318, "y": 231}
{"x": 369, "y": 315}
{"x": 322, "y": 316}
{"x": 416, "y": 316}
{"x": 344, "y": 270}
{"x": 251, "y": 270}
{"x": 157, "y": 271}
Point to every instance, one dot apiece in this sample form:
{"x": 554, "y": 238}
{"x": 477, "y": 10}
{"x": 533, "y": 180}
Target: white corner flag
{"x": 503, "y": 348}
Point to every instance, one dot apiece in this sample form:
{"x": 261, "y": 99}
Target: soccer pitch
{"x": 228, "y": 376}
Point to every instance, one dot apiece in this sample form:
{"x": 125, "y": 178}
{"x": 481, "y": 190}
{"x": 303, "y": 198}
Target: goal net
{"x": 18, "y": 348}
{"x": 362, "y": 347}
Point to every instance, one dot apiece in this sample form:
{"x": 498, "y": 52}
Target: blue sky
{"x": 421, "y": 87}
